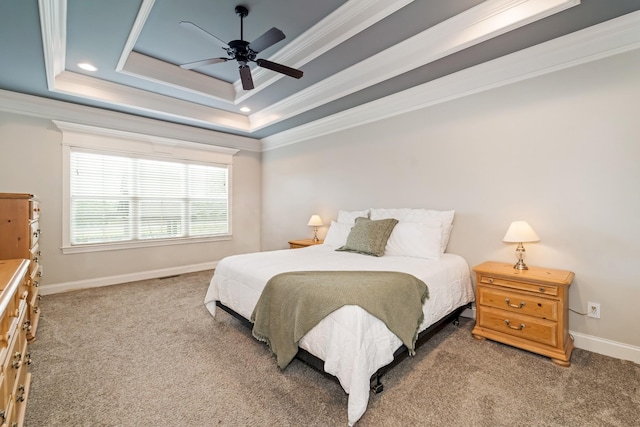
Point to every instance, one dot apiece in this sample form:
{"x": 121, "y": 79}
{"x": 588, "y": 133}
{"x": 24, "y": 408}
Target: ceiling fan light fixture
{"x": 243, "y": 51}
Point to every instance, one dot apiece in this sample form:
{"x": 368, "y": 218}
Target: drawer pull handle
{"x": 541, "y": 290}
{"x": 490, "y": 280}
{"x": 517, "y": 328}
{"x": 522, "y": 304}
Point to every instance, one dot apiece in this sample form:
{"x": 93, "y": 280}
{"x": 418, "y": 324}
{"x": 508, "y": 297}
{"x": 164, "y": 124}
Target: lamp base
{"x": 520, "y": 265}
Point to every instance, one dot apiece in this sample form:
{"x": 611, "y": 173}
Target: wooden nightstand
{"x": 528, "y": 309}
{"x": 303, "y": 243}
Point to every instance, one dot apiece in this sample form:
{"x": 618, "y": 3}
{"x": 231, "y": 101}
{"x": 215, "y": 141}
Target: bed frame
{"x": 399, "y": 355}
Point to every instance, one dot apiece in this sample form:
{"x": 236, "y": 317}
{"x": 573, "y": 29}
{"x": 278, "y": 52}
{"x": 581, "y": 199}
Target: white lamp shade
{"x": 520, "y": 232}
{"x": 315, "y": 221}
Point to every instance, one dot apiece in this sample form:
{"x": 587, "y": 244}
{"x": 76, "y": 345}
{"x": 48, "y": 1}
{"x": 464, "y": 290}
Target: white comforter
{"x": 352, "y": 343}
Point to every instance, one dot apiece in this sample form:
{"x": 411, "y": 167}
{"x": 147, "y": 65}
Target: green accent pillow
{"x": 369, "y": 237}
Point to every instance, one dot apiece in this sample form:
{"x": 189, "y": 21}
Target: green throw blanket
{"x": 292, "y": 303}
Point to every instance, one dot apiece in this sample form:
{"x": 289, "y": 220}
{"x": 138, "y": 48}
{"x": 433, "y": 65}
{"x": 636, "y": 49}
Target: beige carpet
{"x": 149, "y": 354}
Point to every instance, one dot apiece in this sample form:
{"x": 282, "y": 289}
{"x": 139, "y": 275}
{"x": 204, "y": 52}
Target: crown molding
{"x": 482, "y": 22}
{"x": 51, "y": 109}
{"x": 136, "y": 29}
{"x": 606, "y": 39}
{"x": 53, "y": 21}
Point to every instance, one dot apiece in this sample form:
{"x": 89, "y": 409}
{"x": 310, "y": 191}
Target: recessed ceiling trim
{"x": 124, "y": 96}
{"x": 136, "y": 29}
{"x": 340, "y": 25}
{"x": 164, "y": 73}
{"x": 53, "y": 21}
{"x": 147, "y": 68}
{"x": 606, "y": 39}
{"x": 473, "y": 26}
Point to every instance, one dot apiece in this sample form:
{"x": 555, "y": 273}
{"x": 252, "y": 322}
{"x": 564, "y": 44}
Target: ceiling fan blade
{"x": 266, "y": 40}
{"x": 201, "y": 32}
{"x": 245, "y": 77}
{"x": 197, "y": 64}
{"x": 291, "y": 72}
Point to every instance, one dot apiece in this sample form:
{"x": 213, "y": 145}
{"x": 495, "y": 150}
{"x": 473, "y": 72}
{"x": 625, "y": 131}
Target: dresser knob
{"x": 490, "y": 280}
{"x": 514, "y": 305}
{"x": 541, "y": 289}
{"x": 517, "y": 328}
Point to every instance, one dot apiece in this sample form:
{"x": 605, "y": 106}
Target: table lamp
{"x": 315, "y": 221}
{"x": 520, "y": 232}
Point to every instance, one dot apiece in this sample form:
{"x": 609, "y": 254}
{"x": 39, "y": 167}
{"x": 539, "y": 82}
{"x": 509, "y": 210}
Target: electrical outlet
{"x": 593, "y": 309}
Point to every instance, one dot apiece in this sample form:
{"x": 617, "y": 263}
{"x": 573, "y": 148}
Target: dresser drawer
{"x": 14, "y": 356}
{"x": 526, "y": 327}
{"x": 34, "y": 211}
{"x": 35, "y": 233}
{"x": 523, "y": 286}
{"x": 522, "y": 303}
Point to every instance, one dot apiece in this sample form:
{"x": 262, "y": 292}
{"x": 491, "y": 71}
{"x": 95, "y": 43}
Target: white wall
{"x": 561, "y": 151}
{"x": 31, "y": 162}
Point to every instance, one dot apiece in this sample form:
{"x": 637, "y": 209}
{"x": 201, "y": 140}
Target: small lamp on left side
{"x": 315, "y": 221}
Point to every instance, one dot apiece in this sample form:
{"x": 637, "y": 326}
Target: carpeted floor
{"x": 150, "y": 354}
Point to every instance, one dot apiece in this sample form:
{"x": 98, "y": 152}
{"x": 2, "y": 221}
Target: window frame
{"x": 130, "y": 144}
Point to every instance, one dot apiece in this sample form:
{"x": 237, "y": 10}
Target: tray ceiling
{"x": 352, "y": 52}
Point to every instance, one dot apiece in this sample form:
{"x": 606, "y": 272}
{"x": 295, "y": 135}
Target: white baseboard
{"x": 124, "y": 278}
{"x": 607, "y": 347}
{"x": 591, "y": 343}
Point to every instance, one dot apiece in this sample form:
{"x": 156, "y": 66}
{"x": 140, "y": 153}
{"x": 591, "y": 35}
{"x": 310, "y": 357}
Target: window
{"x": 127, "y": 198}
{"x": 117, "y": 198}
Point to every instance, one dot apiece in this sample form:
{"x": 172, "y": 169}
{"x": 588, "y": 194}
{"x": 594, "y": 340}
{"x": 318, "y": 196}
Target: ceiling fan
{"x": 243, "y": 51}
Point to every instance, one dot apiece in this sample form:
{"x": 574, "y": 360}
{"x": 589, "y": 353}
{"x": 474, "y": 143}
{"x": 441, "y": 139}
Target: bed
{"x": 353, "y": 345}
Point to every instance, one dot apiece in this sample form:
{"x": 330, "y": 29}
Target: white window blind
{"x": 123, "y": 198}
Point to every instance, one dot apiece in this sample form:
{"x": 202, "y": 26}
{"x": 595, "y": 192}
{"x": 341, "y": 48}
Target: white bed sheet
{"x": 352, "y": 343}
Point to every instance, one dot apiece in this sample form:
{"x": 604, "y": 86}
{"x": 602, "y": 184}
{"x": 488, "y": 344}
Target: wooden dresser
{"x": 19, "y": 238}
{"x": 15, "y": 377}
{"x": 528, "y": 309}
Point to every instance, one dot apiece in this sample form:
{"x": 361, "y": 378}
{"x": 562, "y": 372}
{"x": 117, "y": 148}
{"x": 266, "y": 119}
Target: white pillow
{"x": 430, "y": 217}
{"x": 414, "y": 239}
{"x": 345, "y": 217}
{"x": 337, "y": 234}
{"x": 398, "y": 214}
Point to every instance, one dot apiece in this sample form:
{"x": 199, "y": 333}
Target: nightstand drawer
{"x": 523, "y": 286}
{"x": 518, "y": 302}
{"x": 529, "y": 328}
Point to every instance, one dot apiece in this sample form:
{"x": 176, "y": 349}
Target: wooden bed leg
{"x": 378, "y": 386}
